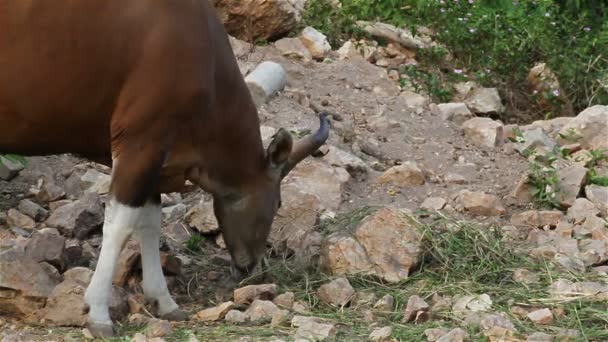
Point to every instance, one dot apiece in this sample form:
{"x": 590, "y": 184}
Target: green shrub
{"x": 496, "y": 42}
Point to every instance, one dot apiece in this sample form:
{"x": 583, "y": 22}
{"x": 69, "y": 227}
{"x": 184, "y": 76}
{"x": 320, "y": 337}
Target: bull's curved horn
{"x": 305, "y": 146}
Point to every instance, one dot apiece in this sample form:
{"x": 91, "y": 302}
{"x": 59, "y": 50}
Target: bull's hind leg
{"x": 154, "y": 283}
{"x": 133, "y": 207}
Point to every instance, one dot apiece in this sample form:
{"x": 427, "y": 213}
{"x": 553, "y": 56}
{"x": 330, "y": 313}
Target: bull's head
{"x": 245, "y": 217}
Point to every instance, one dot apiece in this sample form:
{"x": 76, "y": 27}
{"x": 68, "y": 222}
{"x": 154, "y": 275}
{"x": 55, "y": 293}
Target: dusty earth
{"x": 353, "y": 91}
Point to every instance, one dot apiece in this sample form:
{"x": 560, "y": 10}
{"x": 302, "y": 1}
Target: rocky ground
{"x": 414, "y": 223}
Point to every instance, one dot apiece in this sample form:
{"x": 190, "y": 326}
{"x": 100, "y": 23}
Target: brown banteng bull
{"x": 151, "y": 88}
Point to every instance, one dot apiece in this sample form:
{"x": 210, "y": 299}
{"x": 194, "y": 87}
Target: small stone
{"x": 311, "y": 329}
{"x": 536, "y": 140}
{"x": 261, "y": 311}
{"x": 542, "y": 316}
{"x": 483, "y": 132}
{"x": 406, "y": 174}
{"x": 80, "y": 218}
{"x": 454, "y": 335}
{"x": 236, "y": 317}
{"x": 300, "y": 308}
{"x": 159, "y": 328}
{"x": 385, "y": 304}
{"x": 177, "y": 232}
{"x": 95, "y": 181}
{"x": 539, "y": 337}
{"x": 216, "y": 313}
{"x": 522, "y": 275}
{"x": 49, "y": 192}
{"x": 46, "y": 247}
{"x": 246, "y": 295}
{"x": 285, "y": 300}
{"x": 16, "y": 219}
{"x": 479, "y": 203}
{"x": 279, "y": 317}
{"x": 138, "y": 318}
{"x": 480, "y": 303}
{"x": 434, "y": 334}
{"x": 337, "y": 292}
{"x": 202, "y": 218}
{"x": 433, "y": 203}
{"x": 414, "y": 100}
{"x": 414, "y": 308}
{"x": 381, "y": 334}
{"x": 454, "y": 178}
{"x": 32, "y": 210}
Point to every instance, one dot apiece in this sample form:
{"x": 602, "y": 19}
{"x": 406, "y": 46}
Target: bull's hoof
{"x": 101, "y": 330}
{"x": 176, "y": 315}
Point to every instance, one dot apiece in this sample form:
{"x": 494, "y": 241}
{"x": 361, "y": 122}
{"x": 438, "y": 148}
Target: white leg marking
{"x": 119, "y": 222}
{"x": 154, "y": 283}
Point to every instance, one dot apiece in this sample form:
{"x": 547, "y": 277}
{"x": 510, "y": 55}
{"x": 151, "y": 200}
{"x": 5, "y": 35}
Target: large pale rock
{"x": 316, "y": 42}
{"x": 344, "y": 255}
{"x": 293, "y": 48}
{"x": 392, "y": 243}
{"x": 479, "y": 203}
{"x": 259, "y": 19}
{"x": 416, "y": 310}
{"x": 414, "y": 100}
{"x": 581, "y": 210}
{"x": 262, "y": 311}
{"x": 599, "y": 196}
{"x": 406, "y": 174}
{"x": 46, "y": 247}
{"x": 66, "y": 305}
{"x": 483, "y": 131}
{"x": 352, "y": 50}
{"x": 338, "y": 292}
{"x": 591, "y": 124}
{"x": 537, "y": 140}
{"x": 353, "y": 164}
{"x": 95, "y": 181}
{"x": 570, "y": 181}
{"x": 484, "y": 101}
{"x": 80, "y": 218}
{"x": 24, "y": 285}
{"x": 457, "y": 112}
{"x": 381, "y": 334}
{"x": 202, "y": 218}
{"x": 319, "y": 179}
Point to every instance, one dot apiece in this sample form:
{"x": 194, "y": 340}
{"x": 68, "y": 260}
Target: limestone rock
{"x": 344, "y": 255}
{"x": 9, "y": 168}
{"x": 414, "y": 100}
{"x": 591, "y": 125}
{"x": 479, "y": 203}
{"x": 541, "y": 316}
{"x": 236, "y": 317}
{"x": 46, "y": 247}
{"x": 293, "y": 48}
{"x": 483, "y": 132}
{"x": 316, "y": 42}
{"x": 310, "y": 328}
{"x": 599, "y": 196}
{"x": 78, "y": 219}
{"x": 381, "y": 334}
{"x": 259, "y": 19}
{"x": 95, "y": 181}
{"x": 454, "y": 335}
{"x": 484, "y": 101}
{"x": 261, "y": 311}
{"x": 249, "y": 293}
{"x": 14, "y": 218}
{"x": 536, "y": 139}
{"x": 202, "y": 218}
{"x": 392, "y": 243}
{"x": 385, "y": 304}
{"x": 406, "y": 174}
{"x": 353, "y": 164}
{"x": 582, "y": 209}
{"x": 433, "y": 203}
{"x": 457, "y": 112}
{"x": 32, "y": 210}
{"x": 285, "y": 300}
{"x": 352, "y": 49}
{"x": 417, "y": 310}
{"x": 570, "y": 181}
{"x": 159, "y": 328}
{"x": 401, "y": 36}
{"x": 338, "y": 292}
{"x": 216, "y": 313}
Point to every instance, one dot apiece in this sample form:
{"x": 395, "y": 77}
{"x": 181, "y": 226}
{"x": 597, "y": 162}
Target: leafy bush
{"x": 496, "y": 42}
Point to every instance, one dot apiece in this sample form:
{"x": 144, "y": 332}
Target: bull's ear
{"x": 279, "y": 149}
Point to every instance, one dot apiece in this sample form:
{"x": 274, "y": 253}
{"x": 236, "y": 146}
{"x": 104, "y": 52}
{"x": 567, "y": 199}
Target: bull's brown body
{"x": 152, "y": 89}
